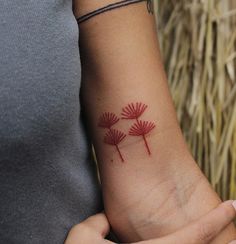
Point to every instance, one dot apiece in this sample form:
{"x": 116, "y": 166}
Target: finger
{"x": 208, "y": 226}
{"x": 93, "y": 227}
{"x": 203, "y": 230}
{"x": 98, "y": 223}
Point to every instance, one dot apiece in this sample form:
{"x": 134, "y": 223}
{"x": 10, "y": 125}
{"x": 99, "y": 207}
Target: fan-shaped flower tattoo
{"x": 133, "y": 111}
{"x": 140, "y": 127}
{"x": 107, "y": 120}
{"x": 112, "y": 137}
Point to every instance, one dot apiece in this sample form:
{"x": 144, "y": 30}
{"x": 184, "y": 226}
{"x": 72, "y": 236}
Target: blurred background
{"x": 198, "y": 44}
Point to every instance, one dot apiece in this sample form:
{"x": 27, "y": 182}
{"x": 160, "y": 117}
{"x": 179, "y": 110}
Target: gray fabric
{"x": 48, "y": 181}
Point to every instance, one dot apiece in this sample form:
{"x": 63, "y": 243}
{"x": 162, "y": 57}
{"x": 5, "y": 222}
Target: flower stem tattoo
{"x": 140, "y": 127}
{"x": 112, "y": 137}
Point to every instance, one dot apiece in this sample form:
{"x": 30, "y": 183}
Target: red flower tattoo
{"x": 133, "y": 111}
{"x": 107, "y": 120}
{"x": 112, "y": 137}
{"x": 140, "y": 127}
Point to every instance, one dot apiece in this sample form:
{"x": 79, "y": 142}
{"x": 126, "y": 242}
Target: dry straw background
{"x": 198, "y": 43}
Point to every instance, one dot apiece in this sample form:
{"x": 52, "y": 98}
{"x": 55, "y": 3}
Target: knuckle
{"x": 80, "y": 228}
{"x": 228, "y": 212}
{"x": 205, "y": 231}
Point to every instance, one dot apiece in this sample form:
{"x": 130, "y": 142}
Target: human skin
{"x": 95, "y": 228}
{"x": 146, "y": 196}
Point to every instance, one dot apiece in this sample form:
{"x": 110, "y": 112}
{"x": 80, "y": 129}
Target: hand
{"x": 95, "y": 228}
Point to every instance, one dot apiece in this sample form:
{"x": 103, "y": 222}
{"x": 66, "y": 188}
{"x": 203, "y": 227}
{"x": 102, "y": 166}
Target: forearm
{"x": 117, "y": 71}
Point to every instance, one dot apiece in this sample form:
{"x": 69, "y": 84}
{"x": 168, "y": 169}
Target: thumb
{"x": 98, "y": 223}
{"x": 85, "y": 232}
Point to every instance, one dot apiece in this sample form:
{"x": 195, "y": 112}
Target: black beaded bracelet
{"x": 113, "y": 6}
